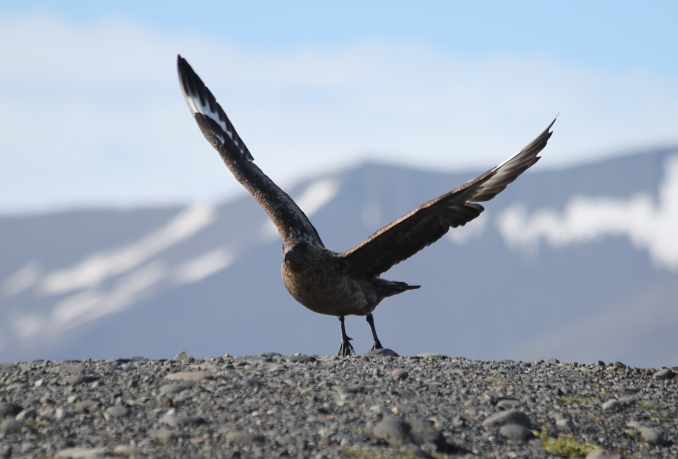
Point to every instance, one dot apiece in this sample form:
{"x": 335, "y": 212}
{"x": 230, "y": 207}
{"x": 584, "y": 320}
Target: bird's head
{"x": 294, "y": 253}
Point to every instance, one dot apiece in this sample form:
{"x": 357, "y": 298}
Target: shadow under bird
{"x": 341, "y": 284}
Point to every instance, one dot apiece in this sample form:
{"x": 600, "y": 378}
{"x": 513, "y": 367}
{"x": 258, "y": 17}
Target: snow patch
{"x": 92, "y": 304}
{"x": 650, "y": 225}
{"x": 24, "y": 278}
{"x": 98, "y": 267}
{"x": 314, "y": 197}
{"x": 203, "y": 266}
{"x": 317, "y": 194}
{"x": 27, "y": 325}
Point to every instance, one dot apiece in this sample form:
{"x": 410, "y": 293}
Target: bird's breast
{"x": 326, "y": 288}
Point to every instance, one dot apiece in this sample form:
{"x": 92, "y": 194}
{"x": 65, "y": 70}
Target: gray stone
{"x": 301, "y": 358}
{"x": 86, "y": 406}
{"x": 422, "y": 432}
{"x": 664, "y": 373}
{"x": 252, "y": 383}
{"x": 348, "y": 391}
{"x": 378, "y": 412}
{"x": 74, "y": 368}
{"x": 9, "y": 409}
{"x": 612, "y": 405}
{"x": 630, "y": 400}
{"x": 181, "y": 357}
{"x": 381, "y": 353}
{"x": 602, "y": 454}
{"x": 131, "y": 451}
{"x": 77, "y": 379}
{"x": 62, "y": 413}
{"x": 27, "y": 415}
{"x": 507, "y": 404}
{"x": 10, "y": 425}
{"x": 82, "y": 453}
{"x": 188, "y": 376}
{"x": 117, "y": 411}
{"x": 172, "y": 419}
{"x": 399, "y": 373}
{"x": 242, "y": 438}
{"x": 563, "y": 423}
{"x": 171, "y": 389}
{"x": 508, "y": 417}
{"x": 515, "y": 432}
{"x": 412, "y": 450}
{"x": 393, "y": 430}
{"x": 651, "y": 436}
{"x": 163, "y": 434}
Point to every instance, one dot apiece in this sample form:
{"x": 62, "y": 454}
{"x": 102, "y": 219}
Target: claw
{"x": 346, "y": 349}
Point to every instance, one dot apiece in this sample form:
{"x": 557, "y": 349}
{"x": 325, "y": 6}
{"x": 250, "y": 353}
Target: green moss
{"x": 564, "y": 445}
{"x": 650, "y": 406}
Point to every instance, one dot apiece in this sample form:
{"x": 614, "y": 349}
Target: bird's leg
{"x": 345, "y": 349}
{"x": 377, "y": 343}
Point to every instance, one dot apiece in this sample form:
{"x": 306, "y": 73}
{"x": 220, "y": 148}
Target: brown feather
{"x": 430, "y": 221}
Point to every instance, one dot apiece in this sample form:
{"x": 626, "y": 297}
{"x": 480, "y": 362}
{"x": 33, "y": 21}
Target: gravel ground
{"x": 374, "y": 406}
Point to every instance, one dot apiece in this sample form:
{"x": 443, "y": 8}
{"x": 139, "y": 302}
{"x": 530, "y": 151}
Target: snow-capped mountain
{"x": 580, "y": 264}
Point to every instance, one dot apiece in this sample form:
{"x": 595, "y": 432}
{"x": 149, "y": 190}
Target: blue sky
{"x": 91, "y": 113}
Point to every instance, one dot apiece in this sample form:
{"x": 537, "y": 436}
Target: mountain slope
{"x": 564, "y": 263}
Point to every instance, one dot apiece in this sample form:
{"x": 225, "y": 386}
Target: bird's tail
{"x": 389, "y": 288}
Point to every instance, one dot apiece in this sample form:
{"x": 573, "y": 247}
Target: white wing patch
{"x": 196, "y": 105}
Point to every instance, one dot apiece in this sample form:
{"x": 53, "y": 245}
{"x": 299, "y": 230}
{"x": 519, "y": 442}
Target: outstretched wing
{"x": 291, "y": 222}
{"x": 430, "y": 221}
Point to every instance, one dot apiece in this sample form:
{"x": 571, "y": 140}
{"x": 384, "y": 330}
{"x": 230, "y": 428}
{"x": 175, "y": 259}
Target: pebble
{"x": 61, "y": 413}
{"x": 9, "y": 409}
{"x": 516, "y": 432}
{"x": 651, "y": 436}
{"x": 399, "y": 373}
{"x": 271, "y": 405}
{"x": 508, "y": 417}
{"x": 82, "y": 453}
{"x": 86, "y": 406}
{"x": 189, "y": 376}
{"x": 393, "y": 430}
{"x": 172, "y": 419}
{"x": 508, "y": 404}
{"x": 171, "y": 389}
{"x": 563, "y": 423}
{"x": 612, "y": 405}
{"x": 27, "y": 415}
{"x": 630, "y": 400}
{"x": 11, "y": 426}
{"x": 381, "y": 353}
{"x": 117, "y": 411}
{"x": 163, "y": 434}
{"x": 664, "y": 373}
{"x": 237, "y": 436}
{"x": 603, "y": 454}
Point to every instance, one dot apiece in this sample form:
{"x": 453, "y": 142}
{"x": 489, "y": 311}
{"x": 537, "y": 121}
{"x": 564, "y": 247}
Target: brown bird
{"x": 341, "y": 284}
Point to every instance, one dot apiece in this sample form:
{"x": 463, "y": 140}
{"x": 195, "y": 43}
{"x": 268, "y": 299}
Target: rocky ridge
{"x": 378, "y": 405}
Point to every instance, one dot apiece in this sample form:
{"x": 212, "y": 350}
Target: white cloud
{"x": 650, "y": 224}
{"x": 95, "y": 112}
